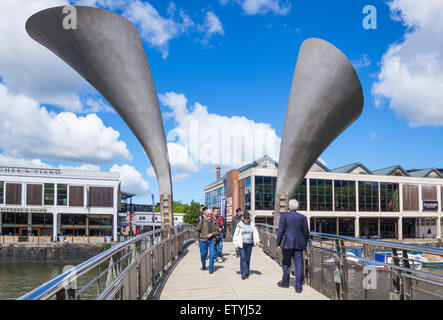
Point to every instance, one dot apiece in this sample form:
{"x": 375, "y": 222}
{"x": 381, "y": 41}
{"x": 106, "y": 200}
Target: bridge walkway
{"x": 188, "y": 282}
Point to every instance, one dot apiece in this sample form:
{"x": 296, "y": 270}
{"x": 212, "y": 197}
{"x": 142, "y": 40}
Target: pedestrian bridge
{"x": 165, "y": 265}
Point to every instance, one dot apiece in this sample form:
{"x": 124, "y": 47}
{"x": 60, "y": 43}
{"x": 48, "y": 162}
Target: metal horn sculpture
{"x": 326, "y": 98}
{"x": 106, "y": 50}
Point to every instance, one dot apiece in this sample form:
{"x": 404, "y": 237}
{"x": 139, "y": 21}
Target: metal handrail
{"x": 51, "y": 287}
{"x": 380, "y": 243}
{"x": 401, "y": 271}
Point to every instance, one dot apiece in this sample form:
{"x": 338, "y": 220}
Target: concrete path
{"x": 188, "y": 282}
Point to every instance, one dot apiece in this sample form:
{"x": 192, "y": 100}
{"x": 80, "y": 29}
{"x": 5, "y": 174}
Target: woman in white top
{"x": 245, "y": 236}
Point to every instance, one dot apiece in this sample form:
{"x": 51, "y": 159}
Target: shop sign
{"x": 430, "y": 205}
{"x": 21, "y": 209}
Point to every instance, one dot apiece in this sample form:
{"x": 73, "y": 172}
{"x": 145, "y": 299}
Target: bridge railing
{"x": 347, "y": 268}
{"x": 127, "y": 271}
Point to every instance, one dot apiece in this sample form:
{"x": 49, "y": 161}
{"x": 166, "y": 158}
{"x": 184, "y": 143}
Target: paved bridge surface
{"x": 187, "y": 282}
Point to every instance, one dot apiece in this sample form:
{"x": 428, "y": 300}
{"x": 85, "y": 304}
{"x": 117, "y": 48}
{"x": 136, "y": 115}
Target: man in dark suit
{"x": 292, "y": 238}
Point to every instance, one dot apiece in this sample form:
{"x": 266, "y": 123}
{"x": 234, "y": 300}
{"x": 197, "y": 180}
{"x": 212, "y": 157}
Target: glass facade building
{"x": 350, "y": 200}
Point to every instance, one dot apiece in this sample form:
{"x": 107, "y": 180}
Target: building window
{"x": 301, "y": 195}
{"x": 49, "y": 194}
{"x": 410, "y": 197}
{"x": 344, "y": 194}
{"x": 213, "y": 199}
{"x": 389, "y": 197}
{"x": 43, "y": 223}
{"x": 265, "y": 192}
{"x": 2, "y": 188}
{"x": 245, "y": 194}
{"x": 368, "y": 195}
{"x": 17, "y": 224}
{"x": 34, "y": 194}
{"x": 76, "y": 196}
{"x": 101, "y": 197}
{"x": 73, "y": 224}
{"x": 100, "y": 225}
{"x": 62, "y": 194}
{"x": 13, "y": 194}
{"x": 320, "y": 195}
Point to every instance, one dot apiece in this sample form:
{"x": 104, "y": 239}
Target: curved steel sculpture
{"x": 106, "y": 50}
{"x": 326, "y": 98}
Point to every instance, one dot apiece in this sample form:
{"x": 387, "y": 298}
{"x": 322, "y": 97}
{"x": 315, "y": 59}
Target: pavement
{"x": 188, "y": 282}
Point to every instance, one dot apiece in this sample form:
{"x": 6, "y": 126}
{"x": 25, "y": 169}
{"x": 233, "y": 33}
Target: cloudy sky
{"x": 223, "y": 70}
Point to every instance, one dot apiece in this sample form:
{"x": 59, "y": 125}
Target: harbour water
{"x": 18, "y": 278}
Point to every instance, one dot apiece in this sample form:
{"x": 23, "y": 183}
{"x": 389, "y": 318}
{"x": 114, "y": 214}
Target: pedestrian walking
{"x": 219, "y": 239}
{"x": 205, "y": 235}
{"x": 201, "y": 217}
{"x": 245, "y": 236}
{"x": 292, "y": 238}
{"x": 235, "y": 220}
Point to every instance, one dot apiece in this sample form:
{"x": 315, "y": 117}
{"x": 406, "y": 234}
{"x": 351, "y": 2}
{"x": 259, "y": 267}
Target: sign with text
{"x": 21, "y": 209}
{"x": 24, "y": 171}
{"x": 430, "y": 205}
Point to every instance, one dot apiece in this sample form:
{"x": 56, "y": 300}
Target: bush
{"x": 107, "y": 246}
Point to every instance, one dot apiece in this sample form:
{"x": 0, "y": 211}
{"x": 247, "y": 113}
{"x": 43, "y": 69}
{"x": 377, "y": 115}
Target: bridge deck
{"x": 188, "y": 282}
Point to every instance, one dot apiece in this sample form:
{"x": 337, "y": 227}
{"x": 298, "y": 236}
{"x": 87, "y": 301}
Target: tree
{"x": 178, "y": 207}
{"x": 192, "y": 212}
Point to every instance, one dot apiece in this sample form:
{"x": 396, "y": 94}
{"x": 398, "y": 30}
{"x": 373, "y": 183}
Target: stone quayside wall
{"x": 18, "y": 252}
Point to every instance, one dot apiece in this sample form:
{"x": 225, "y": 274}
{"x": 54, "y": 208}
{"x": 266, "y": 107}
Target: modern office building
{"x": 53, "y": 202}
{"x": 350, "y": 200}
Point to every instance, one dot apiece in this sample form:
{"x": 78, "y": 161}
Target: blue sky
{"x": 232, "y": 62}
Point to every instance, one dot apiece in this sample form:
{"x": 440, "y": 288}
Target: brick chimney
{"x": 218, "y": 173}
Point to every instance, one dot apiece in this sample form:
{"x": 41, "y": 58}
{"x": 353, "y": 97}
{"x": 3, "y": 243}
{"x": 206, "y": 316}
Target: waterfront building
{"x": 351, "y": 200}
{"x": 138, "y": 217}
{"x": 58, "y": 202}
{"x": 145, "y": 224}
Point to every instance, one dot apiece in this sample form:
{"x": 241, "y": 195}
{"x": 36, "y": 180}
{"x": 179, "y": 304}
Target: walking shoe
{"x": 282, "y": 285}
{"x": 298, "y": 291}
{"x": 211, "y": 271}
{"x": 219, "y": 259}
{"x": 203, "y": 268}
{"x": 243, "y": 276}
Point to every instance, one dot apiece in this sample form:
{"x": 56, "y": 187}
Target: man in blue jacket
{"x": 292, "y": 237}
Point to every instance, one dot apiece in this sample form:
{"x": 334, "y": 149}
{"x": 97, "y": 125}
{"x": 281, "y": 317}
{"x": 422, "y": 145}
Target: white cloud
{"x": 253, "y": 7}
{"x": 27, "y": 67}
{"x": 37, "y": 163}
{"x": 361, "y": 63}
{"x": 154, "y": 28}
{"x": 411, "y": 76}
{"x": 150, "y": 172}
{"x": 132, "y": 181}
{"x": 204, "y": 139}
{"x": 180, "y": 177}
{"x": 96, "y": 105}
{"x": 211, "y": 26}
{"x": 28, "y": 130}
{"x": 110, "y": 4}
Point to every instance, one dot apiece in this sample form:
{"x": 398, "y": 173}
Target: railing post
{"x": 341, "y": 271}
{"x": 396, "y": 280}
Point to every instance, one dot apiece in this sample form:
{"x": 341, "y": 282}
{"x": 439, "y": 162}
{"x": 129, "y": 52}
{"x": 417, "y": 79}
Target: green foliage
{"x": 192, "y": 212}
{"x": 178, "y": 207}
{"x": 106, "y": 246}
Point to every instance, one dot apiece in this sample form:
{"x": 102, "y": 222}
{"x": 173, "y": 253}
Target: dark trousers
{"x": 245, "y": 258}
{"x": 297, "y": 256}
